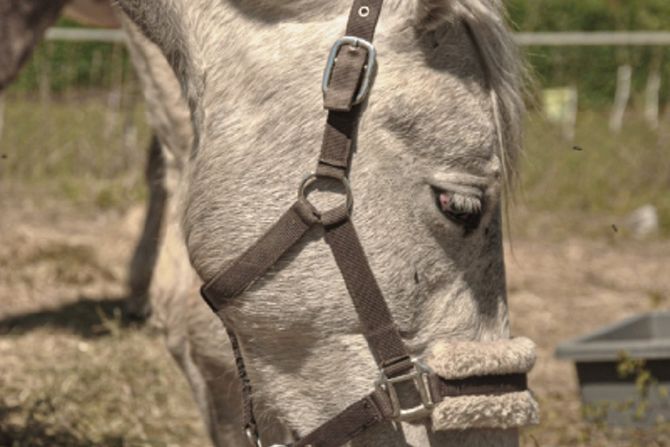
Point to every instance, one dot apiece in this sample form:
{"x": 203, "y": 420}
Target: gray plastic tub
{"x": 637, "y": 398}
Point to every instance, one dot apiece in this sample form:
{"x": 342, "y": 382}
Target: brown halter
{"x": 346, "y": 84}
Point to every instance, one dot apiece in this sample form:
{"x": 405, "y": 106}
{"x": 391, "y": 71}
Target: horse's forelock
{"x": 504, "y": 67}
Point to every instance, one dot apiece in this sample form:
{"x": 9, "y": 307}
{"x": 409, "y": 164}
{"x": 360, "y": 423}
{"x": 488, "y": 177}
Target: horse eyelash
{"x": 465, "y": 204}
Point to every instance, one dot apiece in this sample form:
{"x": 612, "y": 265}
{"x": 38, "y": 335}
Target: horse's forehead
{"x": 290, "y": 57}
{"x": 439, "y": 104}
{"x": 433, "y": 97}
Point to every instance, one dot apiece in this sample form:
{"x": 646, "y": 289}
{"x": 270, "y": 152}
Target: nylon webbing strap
{"x": 492, "y": 385}
{"x": 377, "y": 323}
{"x": 363, "y": 18}
{"x": 350, "y": 423}
{"x": 337, "y": 143}
{"x": 247, "y": 402}
{"x": 261, "y": 256}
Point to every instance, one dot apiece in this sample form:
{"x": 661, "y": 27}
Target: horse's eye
{"x": 463, "y": 210}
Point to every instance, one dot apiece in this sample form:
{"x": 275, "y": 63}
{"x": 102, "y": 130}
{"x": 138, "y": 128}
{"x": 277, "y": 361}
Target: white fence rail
{"x": 594, "y": 38}
{"x": 86, "y": 35}
{"x": 567, "y": 38}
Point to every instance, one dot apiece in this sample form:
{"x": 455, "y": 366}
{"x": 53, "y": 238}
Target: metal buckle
{"x": 369, "y": 68}
{"x": 420, "y": 377}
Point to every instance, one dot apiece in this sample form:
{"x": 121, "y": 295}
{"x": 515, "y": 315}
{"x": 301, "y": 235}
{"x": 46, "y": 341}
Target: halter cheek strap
{"x": 346, "y": 84}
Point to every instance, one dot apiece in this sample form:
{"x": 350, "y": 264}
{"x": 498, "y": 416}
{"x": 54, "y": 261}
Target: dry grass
{"x": 115, "y": 389}
{"x": 73, "y": 372}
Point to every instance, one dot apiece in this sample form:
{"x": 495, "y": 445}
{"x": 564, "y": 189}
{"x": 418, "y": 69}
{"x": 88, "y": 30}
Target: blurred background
{"x": 587, "y": 243}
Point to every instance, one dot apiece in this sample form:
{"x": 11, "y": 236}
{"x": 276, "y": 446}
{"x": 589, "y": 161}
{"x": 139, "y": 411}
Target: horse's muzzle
{"x": 460, "y": 360}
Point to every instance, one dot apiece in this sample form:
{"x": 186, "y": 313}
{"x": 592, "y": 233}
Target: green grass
{"x": 77, "y": 148}
{"x": 600, "y": 174}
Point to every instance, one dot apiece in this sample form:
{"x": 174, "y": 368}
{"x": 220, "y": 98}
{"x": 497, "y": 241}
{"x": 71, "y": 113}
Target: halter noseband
{"x": 346, "y": 83}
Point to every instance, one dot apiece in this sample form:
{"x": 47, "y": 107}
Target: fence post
{"x": 624, "y": 75}
{"x": 560, "y": 107}
{"x": 45, "y": 74}
{"x": 652, "y": 96}
{"x": 2, "y": 113}
{"x": 115, "y": 90}
{"x": 570, "y": 122}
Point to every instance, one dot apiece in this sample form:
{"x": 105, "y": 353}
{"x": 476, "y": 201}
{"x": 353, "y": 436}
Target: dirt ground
{"x": 561, "y": 287}
{"x": 74, "y": 373}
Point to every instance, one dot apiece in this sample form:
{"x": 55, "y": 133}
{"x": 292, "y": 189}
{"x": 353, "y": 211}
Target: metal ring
{"x": 252, "y": 437}
{"x": 309, "y": 178}
{"x": 255, "y": 441}
{"x": 364, "y": 11}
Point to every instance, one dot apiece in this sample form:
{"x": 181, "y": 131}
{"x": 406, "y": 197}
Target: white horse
{"x": 436, "y": 144}
{"x": 437, "y": 141}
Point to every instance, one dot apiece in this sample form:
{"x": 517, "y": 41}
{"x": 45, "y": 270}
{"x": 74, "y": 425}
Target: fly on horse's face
{"x": 429, "y": 163}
